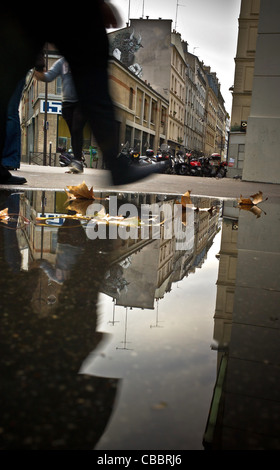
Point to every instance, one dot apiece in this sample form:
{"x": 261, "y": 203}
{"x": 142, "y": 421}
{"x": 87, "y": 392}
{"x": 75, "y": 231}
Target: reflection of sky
{"x": 168, "y": 371}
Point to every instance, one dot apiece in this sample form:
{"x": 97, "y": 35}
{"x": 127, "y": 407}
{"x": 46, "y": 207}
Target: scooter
{"x": 207, "y": 169}
{"x": 222, "y": 171}
{"x": 180, "y": 166}
{"x": 194, "y": 167}
{"x": 219, "y": 167}
{"x": 132, "y": 155}
{"x": 213, "y": 167}
{"x": 149, "y": 157}
{"x": 66, "y": 158}
{"x": 163, "y": 153}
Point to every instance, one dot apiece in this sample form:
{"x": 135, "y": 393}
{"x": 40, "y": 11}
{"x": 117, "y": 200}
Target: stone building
{"x": 243, "y": 84}
{"x": 262, "y": 162}
{"x": 153, "y": 53}
{"x": 141, "y": 112}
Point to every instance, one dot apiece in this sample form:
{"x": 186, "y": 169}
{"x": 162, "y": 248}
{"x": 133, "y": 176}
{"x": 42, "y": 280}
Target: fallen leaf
{"x": 256, "y": 211}
{"x": 255, "y": 199}
{"x": 4, "y": 216}
{"x": 258, "y": 197}
{"x": 186, "y": 199}
{"x": 79, "y": 205}
{"x": 80, "y": 192}
{"x": 251, "y": 204}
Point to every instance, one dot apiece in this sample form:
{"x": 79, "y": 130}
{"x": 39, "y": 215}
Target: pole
{"x": 176, "y": 15}
{"x": 46, "y": 112}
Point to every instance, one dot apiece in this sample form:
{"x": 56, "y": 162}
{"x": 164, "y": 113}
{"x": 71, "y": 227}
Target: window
{"x": 130, "y": 105}
{"x": 58, "y": 86}
{"x": 145, "y": 110}
{"x": 154, "y": 111}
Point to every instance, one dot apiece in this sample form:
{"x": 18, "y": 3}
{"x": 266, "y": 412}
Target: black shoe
{"x": 14, "y": 180}
{"x": 76, "y": 166}
{"x": 125, "y": 173}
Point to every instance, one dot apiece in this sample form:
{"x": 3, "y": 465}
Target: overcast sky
{"x": 209, "y": 26}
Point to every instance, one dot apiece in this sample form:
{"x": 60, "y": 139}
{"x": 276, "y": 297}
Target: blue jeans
{"x": 12, "y": 147}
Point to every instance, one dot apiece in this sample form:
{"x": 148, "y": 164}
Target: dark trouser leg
{"x": 77, "y": 137}
{"x": 12, "y": 150}
{"x": 97, "y": 106}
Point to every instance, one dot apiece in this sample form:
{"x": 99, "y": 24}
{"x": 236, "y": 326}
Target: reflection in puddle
{"x": 123, "y": 335}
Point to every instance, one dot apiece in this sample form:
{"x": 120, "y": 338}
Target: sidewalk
{"x": 56, "y": 179}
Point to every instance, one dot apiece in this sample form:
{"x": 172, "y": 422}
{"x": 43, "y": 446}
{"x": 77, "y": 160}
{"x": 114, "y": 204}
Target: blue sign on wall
{"x": 54, "y": 107}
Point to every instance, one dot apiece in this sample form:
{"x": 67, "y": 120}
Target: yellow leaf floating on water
{"x": 252, "y": 201}
{"x": 79, "y": 205}
{"x": 186, "y": 199}
{"x": 80, "y": 192}
{"x": 251, "y": 204}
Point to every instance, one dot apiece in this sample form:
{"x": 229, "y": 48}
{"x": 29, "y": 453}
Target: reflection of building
{"x": 144, "y": 265}
{"x": 226, "y": 278}
{"x": 244, "y": 413}
{"x": 154, "y": 267}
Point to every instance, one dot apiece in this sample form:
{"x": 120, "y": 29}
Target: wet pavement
{"x": 139, "y": 320}
{"x": 56, "y": 178}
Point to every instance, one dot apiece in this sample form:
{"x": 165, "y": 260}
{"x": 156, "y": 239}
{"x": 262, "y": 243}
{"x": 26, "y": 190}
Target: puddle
{"x": 142, "y": 323}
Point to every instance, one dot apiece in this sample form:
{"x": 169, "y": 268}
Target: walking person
{"x": 84, "y": 45}
{"x": 71, "y": 109}
{"x": 12, "y": 147}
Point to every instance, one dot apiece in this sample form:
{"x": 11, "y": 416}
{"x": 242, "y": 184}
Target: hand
{"x": 39, "y": 75}
{"x": 111, "y": 16}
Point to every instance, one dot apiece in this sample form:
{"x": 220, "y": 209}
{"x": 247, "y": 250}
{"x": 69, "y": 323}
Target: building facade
{"x": 262, "y": 162}
{"x": 141, "y": 112}
{"x": 161, "y": 93}
{"x": 142, "y": 115}
{"x": 243, "y": 84}
{"x": 158, "y": 55}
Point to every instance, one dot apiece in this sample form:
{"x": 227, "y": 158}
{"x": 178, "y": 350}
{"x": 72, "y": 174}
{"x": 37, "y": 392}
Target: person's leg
{"x": 77, "y": 137}
{"x": 75, "y": 120}
{"x": 18, "y": 53}
{"x": 12, "y": 149}
{"x": 87, "y": 55}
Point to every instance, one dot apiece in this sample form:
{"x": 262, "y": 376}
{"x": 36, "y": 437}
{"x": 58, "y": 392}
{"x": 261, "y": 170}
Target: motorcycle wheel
{"x": 221, "y": 173}
{"x": 181, "y": 170}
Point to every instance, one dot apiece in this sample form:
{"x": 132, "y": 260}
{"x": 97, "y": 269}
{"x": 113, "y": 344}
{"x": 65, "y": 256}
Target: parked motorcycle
{"x": 222, "y": 172}
{"x": 213, "y": 167}
{"x": 194, "y": 167}
{"x": 66, "y": 158}
{"x": 125, "y": 153}
{"x": 207, "y": 169}
{"x": 149, "y": 157}
{"x": 179, "y": 165}
{"x": 133, "y": 155}
{"x": 163, "y": 153}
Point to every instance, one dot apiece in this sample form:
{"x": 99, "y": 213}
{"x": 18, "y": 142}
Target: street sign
{"x": 53, "y": 107}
